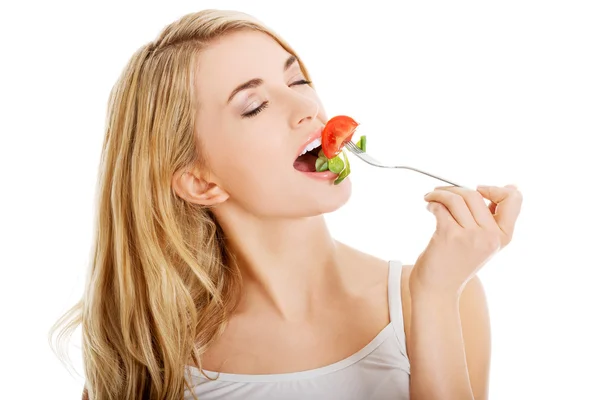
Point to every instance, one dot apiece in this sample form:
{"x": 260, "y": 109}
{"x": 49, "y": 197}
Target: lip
{"x": 322, "y": 176}
{"x": 315, "y": 135}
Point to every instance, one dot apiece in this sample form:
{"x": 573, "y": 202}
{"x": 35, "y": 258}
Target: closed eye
{"x": 301, "y": 82}
{"x": 257, "y": 110}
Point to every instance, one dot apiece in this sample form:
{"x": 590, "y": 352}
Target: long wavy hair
{"x": 161, "y": 282}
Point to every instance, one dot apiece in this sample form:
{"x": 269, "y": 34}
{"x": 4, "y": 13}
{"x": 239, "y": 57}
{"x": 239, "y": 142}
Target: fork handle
{"x": 431, "y": 175}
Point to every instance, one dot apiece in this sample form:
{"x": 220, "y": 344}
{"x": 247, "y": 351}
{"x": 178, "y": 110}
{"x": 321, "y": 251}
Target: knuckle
{"x": 487, "y": 242}
{"x": 518, "y": 195}
{"x": 456, "y": 200}
{"x": 441, "y": 193}
{"x": 491, "y": 242}
{"x": 513, "y": 191}
{"x": 473, "y": 196}
{"x": 452, "y": 234}
{"x": 473, "y": 239}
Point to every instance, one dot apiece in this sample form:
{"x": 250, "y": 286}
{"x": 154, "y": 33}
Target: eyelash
{"x": 301, "y": 82}
{"x": 256, "y": 110}
{"x": 264, "y": 105}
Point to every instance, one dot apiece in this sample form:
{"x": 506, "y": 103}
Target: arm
{"x": 448, "y": 333}
{"x": 448, "y": 342}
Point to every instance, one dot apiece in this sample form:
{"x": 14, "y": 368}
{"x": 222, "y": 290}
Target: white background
{"x": 479, "y": 92}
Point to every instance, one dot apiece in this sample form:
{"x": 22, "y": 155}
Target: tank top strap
{"x": 395, "y": 302}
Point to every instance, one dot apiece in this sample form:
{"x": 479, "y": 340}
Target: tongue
{"x": 305, "y": 163}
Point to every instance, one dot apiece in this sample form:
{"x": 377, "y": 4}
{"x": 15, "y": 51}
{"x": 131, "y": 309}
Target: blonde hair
{"x": 162, "y": 282}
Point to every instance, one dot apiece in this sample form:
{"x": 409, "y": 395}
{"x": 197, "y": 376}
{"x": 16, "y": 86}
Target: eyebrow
{"x": 289, "y": 62}
{"x": 252, "y": 83}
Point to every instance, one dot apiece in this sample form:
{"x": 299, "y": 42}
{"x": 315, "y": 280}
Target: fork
{"x": 354, "y": 149}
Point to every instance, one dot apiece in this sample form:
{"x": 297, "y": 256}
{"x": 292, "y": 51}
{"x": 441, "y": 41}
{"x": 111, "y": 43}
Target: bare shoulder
{"x": 364, "y": 270}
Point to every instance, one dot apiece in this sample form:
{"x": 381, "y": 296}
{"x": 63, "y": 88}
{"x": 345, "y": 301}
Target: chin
{"x": 333, "y": 197}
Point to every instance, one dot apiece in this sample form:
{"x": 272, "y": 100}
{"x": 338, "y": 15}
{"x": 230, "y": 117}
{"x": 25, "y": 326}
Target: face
{"x": 256, "y": 115}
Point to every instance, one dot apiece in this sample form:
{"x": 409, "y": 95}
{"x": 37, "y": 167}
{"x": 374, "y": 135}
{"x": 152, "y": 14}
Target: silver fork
{"x": 370, "y": 160}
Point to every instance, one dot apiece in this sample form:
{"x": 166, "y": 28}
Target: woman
{"x": 212, "y": 254}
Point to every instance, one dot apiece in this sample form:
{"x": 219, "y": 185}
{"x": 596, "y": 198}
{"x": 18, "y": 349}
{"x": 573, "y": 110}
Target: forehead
{"x": 236, "y": 58}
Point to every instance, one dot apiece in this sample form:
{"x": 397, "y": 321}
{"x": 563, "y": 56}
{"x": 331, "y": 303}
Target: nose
{"x": 303, "y": 109}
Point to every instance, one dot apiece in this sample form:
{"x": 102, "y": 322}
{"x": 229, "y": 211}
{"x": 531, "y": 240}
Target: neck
{"x": 287, "y": 265}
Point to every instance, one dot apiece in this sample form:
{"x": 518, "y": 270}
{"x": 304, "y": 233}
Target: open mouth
{"x": 306, "y": 162}
{"x": 331, "y": 162}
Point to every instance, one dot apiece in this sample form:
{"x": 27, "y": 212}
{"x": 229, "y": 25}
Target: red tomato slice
{"x": 337, "y": 132}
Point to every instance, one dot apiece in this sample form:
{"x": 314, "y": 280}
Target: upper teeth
{"x": 312, "y": 145}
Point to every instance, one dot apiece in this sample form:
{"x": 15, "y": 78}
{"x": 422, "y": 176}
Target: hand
{"x": 467, "y": 235}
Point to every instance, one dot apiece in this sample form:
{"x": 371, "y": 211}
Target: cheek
{"x": 245, "y": 162}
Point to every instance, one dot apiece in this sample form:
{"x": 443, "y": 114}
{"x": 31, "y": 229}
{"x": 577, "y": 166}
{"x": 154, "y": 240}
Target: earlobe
{"x": 193, "y": 188}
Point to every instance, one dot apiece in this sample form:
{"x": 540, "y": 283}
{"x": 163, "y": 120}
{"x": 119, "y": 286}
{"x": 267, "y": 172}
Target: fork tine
{"x": 360, "y": 153}
{"x": 353, "y": 147}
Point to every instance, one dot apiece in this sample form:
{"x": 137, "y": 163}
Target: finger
{"x": 508, "y": 201}
{"x": 455, "y": 204}
{"x": 474, "y": 200}
{"x": 444, "y": 218}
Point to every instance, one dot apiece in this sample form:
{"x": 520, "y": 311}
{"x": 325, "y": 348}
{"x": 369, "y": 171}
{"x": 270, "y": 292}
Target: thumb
{"x": 508, "y": 202}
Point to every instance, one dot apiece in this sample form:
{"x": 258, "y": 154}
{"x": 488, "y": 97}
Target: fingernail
{"x": 430, "y": 206}
{"x": 427, "y": 194}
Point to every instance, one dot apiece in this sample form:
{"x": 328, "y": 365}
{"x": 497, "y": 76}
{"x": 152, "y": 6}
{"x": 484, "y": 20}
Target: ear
{"x": 191, "y": 186}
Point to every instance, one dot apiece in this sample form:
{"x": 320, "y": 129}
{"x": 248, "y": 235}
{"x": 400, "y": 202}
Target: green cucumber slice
{"x": 336, "y": 165}
{"x": 345, "y": 172}
{"x": 322, "y": 164}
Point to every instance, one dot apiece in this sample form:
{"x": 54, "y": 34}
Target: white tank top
{"x": 379, "y": 371}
